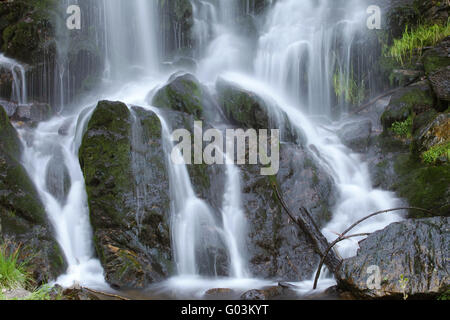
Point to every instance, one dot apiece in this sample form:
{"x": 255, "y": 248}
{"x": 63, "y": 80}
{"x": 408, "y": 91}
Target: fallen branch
{"x": 343, "y": 237}
{"x": 105, "y": 294}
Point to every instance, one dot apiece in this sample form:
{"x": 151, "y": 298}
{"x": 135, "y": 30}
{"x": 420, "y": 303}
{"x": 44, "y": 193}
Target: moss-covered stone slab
{"x": 123, "y": 162}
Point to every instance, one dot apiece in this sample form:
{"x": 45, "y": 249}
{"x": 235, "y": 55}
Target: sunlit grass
{"x": 12, "y": 273}
{"x": 413, "y": 41}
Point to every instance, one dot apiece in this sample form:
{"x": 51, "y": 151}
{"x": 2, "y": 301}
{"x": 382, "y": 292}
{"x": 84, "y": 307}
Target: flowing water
{"x": 290, "y": 64}
{"x": 19, "y": 84}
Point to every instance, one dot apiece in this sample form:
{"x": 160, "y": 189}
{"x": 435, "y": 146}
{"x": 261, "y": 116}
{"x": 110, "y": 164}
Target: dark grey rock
{"x": 356, "y": 135}
{"x": 414, "y": 249}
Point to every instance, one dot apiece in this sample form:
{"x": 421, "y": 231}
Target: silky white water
{"x": 296, "y": 39}
{"x": 19, "y": 84}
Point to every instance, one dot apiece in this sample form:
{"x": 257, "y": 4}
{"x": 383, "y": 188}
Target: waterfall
{"x": 19, "y": 84}
{"x": 292, "y": 65}
{"x": 46, "y": 152}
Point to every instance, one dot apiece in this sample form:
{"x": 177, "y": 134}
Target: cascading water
{"x": 19, "y": 84}
{"x": 296, "y": 56}
{"x": 293, "y": 69}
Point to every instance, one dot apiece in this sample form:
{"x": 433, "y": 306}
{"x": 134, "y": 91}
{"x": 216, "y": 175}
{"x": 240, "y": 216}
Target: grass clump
{"x": 403, "y": 128}
{"x": 416, "y": 39}
{"x": 13, "y": 274}
{"x": 430, "y": 156}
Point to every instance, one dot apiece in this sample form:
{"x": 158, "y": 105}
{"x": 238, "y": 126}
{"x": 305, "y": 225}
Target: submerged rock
{"x": 58, "y": 179}
{"x": 127, "y": 185}
{"x": 412, "y": 257}
{"x": 23, "y": 219}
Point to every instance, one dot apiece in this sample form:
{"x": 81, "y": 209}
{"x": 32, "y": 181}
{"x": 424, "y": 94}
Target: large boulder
{"x": 123, "y": 163}
{"x": 277, "y": 247}
{"x": 411, "y": 257}
{"x": 22, "y": 215}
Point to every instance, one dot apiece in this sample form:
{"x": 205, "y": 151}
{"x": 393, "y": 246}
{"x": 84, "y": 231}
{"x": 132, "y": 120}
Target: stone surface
{"x": 414, "y": 249}
{"x": 356, "y": 135}
{"x": 127, "y": 185}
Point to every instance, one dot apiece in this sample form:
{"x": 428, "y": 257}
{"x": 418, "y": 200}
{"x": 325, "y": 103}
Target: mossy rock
{"x": 424, "y": 186}
{"x": 123, "y": 162}
{"x": 406, "y": 101}
{"x": 182, "y": 93}
{"x": 242, "y": 107}
{"x": 29, "y": 26}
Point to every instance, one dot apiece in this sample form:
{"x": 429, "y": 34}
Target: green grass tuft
{"x": 435, "y": 152}
{"x": 403, "y": 129}
{"x": 12, "y": 273}
{"x": 415, "y": 40}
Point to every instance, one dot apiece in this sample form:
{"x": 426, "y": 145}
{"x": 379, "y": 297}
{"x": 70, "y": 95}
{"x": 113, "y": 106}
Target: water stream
{"x": 290, "y": 67}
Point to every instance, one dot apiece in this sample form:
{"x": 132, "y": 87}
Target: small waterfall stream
{"x": 19, "y": 85}
{"x": 292, "y": 67}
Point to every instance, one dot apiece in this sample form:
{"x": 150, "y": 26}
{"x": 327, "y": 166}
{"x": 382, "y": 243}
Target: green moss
{"x": 422, "y": 185}
{"x": 181, "y": 94}
{"x": 433, "y": 62}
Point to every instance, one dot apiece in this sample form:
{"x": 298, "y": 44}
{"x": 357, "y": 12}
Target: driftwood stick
{"x": 343, "y": 237}
{"x": 309, "y": 227}
{"x": 106, "y": 294}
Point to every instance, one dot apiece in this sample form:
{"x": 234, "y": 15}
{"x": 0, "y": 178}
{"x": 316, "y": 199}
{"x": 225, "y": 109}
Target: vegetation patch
{"x": 347, "y": 87}
{"x": 415, "y": 40}
{"x": 403, "y": 128}
{"x": 430, "y": 156}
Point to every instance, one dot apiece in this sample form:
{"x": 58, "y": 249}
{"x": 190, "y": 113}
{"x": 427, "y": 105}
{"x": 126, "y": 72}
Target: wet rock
{"x": 437, "y": 67}
{"x": 413, "y": 250}
{"x": 277, "y": 247}
{"x": 9, "y": 107}
{"x": 22, "y": 215}
{"x": 356, "y": 135}
{"x": 123, "y": 163}
{"x": 34, "y": 112}
{"x": 182, "y": 93}
{"x": 416, "y": 98}
{"x": 433, "y": 133}
{"x": 262, "y": 294}
{"x": 58, "y": 179}
{"x": 219, "y": 293}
